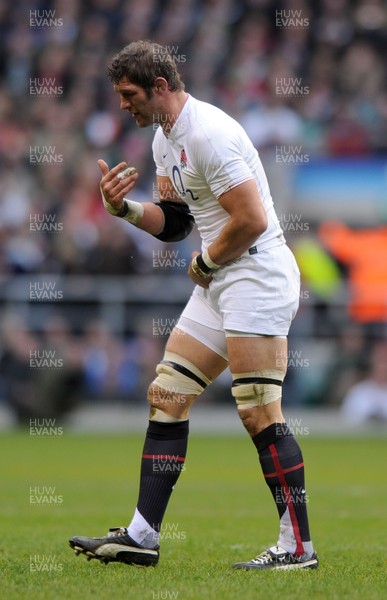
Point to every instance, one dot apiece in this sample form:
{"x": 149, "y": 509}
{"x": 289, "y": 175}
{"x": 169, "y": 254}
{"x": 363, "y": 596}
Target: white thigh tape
{"x": 178, "y": 375}
{"x": 257, "y": 388}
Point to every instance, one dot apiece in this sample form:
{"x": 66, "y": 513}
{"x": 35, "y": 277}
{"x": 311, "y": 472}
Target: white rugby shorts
{"x": 256, "y": 294}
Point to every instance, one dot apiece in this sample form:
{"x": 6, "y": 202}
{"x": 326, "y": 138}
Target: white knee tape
{"x": 156, "y": 414}
{"x": 257, "y": 388}
{"x": 177, "y": 375}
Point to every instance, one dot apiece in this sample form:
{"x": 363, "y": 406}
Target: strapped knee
{"x": 176, "y": 376}
{"x": 257, "y": 388}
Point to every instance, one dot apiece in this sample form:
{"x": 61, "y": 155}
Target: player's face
{"x": 135, "y": 100}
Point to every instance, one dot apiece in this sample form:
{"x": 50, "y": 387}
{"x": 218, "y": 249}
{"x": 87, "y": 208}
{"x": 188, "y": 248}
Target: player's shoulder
{"x": 210, "y": 123}
{"x": 209, "y": 116}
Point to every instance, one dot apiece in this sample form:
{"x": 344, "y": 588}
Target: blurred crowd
{"x": 59, "y": 113}
{"x": 47, "y": 373}
{"x": 292, "y": 72}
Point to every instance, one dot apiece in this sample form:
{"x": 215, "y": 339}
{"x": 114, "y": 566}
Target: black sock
{"x": 163, "y": 459}
{"x": 283, "y": 467}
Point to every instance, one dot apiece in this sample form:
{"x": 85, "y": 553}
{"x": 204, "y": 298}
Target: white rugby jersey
{"x": 206, "y": 154}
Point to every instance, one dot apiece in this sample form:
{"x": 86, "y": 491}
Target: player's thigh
{"x": 202, "y": 356}
{"x": 248, "y": 354}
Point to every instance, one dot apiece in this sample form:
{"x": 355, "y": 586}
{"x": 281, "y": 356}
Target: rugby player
{"x": 245, "y": 297}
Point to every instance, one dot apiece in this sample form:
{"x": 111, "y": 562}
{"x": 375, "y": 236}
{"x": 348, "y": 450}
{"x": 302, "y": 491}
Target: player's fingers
{"x": 109, "y": 175}
{"x": 193, "y": 254}
{"x": 115, "y": 170}
{"x": 111, "y": 186}
{"x": 104, "y": 168}
{"x": 204, "y": 282}
{"x": 128, "y": 183}
{"x": 117, "y": 190}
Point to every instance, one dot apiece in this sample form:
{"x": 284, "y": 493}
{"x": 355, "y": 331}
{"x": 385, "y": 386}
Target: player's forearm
{"x": 167, "y": 221}
{"x": 152, "y": 220}
{"x": 144, "y": 215}
{"x": 248, "y": 220}
{"x": 234, "y": 240}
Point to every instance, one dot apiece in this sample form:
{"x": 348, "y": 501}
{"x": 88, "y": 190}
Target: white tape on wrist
{"x": 134, "y": 213}
{"x": 207, "y": 260}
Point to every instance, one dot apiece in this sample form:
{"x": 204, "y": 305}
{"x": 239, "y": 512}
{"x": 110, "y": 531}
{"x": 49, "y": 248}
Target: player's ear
{"x": 160, "y": 85}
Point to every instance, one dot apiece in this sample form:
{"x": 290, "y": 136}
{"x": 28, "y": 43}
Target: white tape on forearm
{"x": 210, "y": 263}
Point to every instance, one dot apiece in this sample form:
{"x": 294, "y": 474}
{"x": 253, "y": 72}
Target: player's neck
{"x": 176, "y": 105}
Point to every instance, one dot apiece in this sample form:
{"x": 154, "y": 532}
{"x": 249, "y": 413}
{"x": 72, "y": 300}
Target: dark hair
{"x": 141, "y": 62}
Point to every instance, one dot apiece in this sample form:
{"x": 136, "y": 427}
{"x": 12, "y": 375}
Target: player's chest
{"x": 180, "y": 166}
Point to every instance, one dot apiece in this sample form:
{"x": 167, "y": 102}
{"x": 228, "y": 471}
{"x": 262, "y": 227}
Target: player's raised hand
{"x": 113, "y": 187}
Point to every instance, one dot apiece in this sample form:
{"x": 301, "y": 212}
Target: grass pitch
{"x": 221, "y": 512}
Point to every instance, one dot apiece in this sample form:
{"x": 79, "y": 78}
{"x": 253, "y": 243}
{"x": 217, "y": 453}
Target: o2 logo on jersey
{"x": 179, "y": 185}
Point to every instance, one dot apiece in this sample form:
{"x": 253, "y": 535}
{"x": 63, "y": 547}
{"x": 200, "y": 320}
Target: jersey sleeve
{"x": 221, "y": 163}
{"x": 157, "y": 154}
